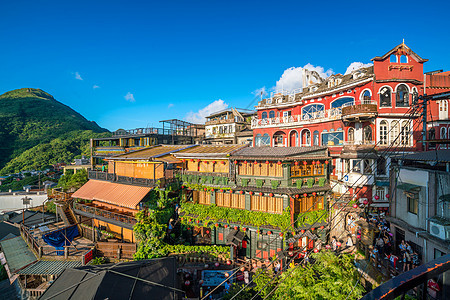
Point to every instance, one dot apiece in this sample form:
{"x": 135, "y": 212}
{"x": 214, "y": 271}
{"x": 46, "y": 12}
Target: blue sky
{"x": 174, "y": 58}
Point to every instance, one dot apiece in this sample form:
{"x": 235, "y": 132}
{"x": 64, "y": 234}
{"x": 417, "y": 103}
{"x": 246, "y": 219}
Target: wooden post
{"x": 118, "y": 252}
{"x": 40, "y": 252}
{"x": 93, "y": 231}
{"x": 66, "y": 252}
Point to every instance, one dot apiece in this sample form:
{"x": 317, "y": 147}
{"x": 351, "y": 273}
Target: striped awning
{"x": 112, "y": 193}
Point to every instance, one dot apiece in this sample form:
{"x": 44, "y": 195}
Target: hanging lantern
{"x": 189, "y": 228}
{"x": 205, "y": 189}
{"x": 217, "y": 224}
{"x": 312, "y": 229}
{"x": 305, "y": 163}
{"x": 377, "y": 197}
{"x": 326, "y": 162}
{"x": 314, "y": 193}
{"x": 216, "y": 264}
{"x": 251, "y": 193}
{"x": 302, "y": 231}
{"x": 235, "y": 162}
{"x": 316, "y": 250}
{"x": 355, "y": 206}
{"x": 387, "y": 196}
{"x": 241, "y": 192}
{"x": 322, "y": 227}
{"x": 271, "y": 194}
{"x": 338, "y": 244}
{"x": 260, "y": 193}
{"x": 226, "y": 226}
{"x": 221, "y": 190}
{"x": 269, "y": 232}
{"x": 228, "y": 263}
{"x": 245, "y": 162}
{"x": 317, "y": 162}
{"x": 281, "y": 234}
{"x": 297, "y": 196}
{"x": 305, "y": 194}
{"x": 213, "y": 161}
{"x": 244, "y": 229}
{"x": 187, "y": 283}
{"x": 231, "y": 191}
{"x": 190, "y": 220}
{"x": 199, "y": 160}
{"x": 279, "y": 162}
{"x": 183, "y": 160}
{"x": 198, "y": 222}
{"x": 236, "y": 228}
{"x": 313, "y": 162}
{"x": 255, "y": 162}
{"x": 192, "y": 159}
{"x": 365, "y": 202}
{"x": 223, "y": 162}
{"x": 296, "y": 163}
{"x": 182, "y": 186}
{"x": 327, "y": 246}
{"x": 267, "y": 162}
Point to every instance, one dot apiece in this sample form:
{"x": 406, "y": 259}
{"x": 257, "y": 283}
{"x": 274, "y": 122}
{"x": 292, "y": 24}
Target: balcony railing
{"x": 366, "y": 109}
{"x": 121, "y": 179}
{"x": 107, "y": 214}
{"x": 302, "y": 119}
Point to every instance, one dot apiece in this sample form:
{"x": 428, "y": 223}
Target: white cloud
{"x": 170, "y": 105}
{"x": 200, "y": 116}
{"x": 260, "y": 92}
{"x": 129, "y": 97}
{"x": 78, "y": 76}
{"x": 95, "y": 86}
{"x": 292, "y": 78}
{"x": 355, "y": 66}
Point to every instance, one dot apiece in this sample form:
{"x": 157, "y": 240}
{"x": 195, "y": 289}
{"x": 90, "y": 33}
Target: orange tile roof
{"x": 112, "y": 193}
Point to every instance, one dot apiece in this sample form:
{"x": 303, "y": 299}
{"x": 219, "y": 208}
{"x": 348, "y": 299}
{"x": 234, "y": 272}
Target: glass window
{"x": 351, "y": 135}
{"x": 316, "y": 138}
{"x": 413, "y": 204}
{"x": 341, "y": 101}
{"x": 367, "y": 135}
{"x": 393, "y": 58}
{"x": 403, "y": 59}
{"x": 313, "y": 111}
{"x": 395, "y": 129}
{"x": 271, "y": 114}
{"x": 443, "y": 133}
{"x": 381, "y": 166}
{"x": 332, "y": 138}
{"x": 264, "y": 115}
{"x": 383, "y": 132}
{"x": 356, "y": 165}
{"x": 366, "y": 96}
{"x": 438, "y": 253}
{"x": 367, "y": 166}
{"x": 405, "y": 133}
{"x": 385, "y": 96}
{"x": 265, "y": 140}
{"x": 402, "y": 96}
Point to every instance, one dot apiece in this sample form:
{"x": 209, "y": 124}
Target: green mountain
{"x": 32, "y": 118}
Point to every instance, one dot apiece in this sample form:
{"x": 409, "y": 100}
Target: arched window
{"x": 313, "y": 111}
{"x": 393, "y": 58}
{"x": 383, "y": 132}
{"x": 367, "y": 138}
{"x": 271, "y": 114}
{"x": 293, "y": 138}
{"x": 402, "y": 98}
{"x": 403, "y": 59}
{"x": 265, "y": 140}
{"x": 414, "y": 96}
{"x": 405, "y": 133}
{"x": 341, "y": 101}
{"x": 316, "y": 138}
{"x": 443, "y": 110}
{"x": 351, "y": 135}
{"x": 264, "y": 115}
{"x": 443, "y": 133}
{"x": 306, "y": 138}
{"x": 279, "y": 139}
{"x": 385, "y": 96}
{"x": 395, "y": 129}
{"x": 366, "y": 97}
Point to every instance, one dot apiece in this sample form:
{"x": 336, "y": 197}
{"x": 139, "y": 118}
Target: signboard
{"x": 88, "y": 256}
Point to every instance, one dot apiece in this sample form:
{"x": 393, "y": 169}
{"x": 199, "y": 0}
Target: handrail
{"x": 105, "y": 213}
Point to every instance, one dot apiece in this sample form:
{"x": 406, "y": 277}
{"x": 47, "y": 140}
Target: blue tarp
{"x": 56, "y": 238}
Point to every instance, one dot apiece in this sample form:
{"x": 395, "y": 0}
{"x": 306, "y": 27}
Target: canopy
{"x": 112, "y": 193}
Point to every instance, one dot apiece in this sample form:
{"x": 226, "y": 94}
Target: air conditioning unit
{"x": 439, "y": 230}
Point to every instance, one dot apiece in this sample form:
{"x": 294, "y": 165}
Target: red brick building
{"x": 360, "y": 116}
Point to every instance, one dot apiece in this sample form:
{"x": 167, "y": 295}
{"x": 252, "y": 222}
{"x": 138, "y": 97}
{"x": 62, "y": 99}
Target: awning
{"x": 235, "y": 237}
{"x": 382, "y": 183}
{"x": 409, "y": 187}
{"x": 379, "y": 204}
{"x": 112, "y": 193}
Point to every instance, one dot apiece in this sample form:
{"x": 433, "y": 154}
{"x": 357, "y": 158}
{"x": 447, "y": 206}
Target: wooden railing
{"x": 360, "y": 109}
{"x": 116, "y": 250}
{"x": 58, "y": 195}
{"x": 105, "y": 213}
{"x": 31, "y": 241}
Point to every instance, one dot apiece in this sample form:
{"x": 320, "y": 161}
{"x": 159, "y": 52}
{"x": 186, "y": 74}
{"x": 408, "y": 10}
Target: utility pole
{"x": 424, "y": 123}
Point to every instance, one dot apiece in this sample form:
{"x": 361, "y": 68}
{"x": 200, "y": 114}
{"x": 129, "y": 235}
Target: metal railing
{"x": 152, "y": 130}
{"x": 90, "y": 209}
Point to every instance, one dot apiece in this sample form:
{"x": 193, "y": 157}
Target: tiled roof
{"x": 209, "y": 151}
{"x": 17, "y": 253}
{"x": 151, "y": 152}
{"x": 276, "y": 152}
{"x": 437, "y": 155}
{"x": 112, "y": 193}
{"x": 45, "y": 267}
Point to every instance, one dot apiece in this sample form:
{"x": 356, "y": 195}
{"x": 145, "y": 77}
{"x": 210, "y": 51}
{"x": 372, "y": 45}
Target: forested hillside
{"x": 36, "y": 130}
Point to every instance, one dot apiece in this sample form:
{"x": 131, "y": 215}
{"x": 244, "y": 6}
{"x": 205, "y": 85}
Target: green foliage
{"x": 232, "y": 215}
{"x": 330, "y": 277}
{"x": 211, "y": 251}
{"x": 14, "y": 185}
{"x": 201, "y": 187}
{"x": 259, "y": 182}
{"x": 236, "y": 288}
{"x": 50, "y": 207}
{"x": 275, "y": 184}
{"x": 98, "y": 261}
{"x": 150, "y": 234}
{"x": 3, "y": 274}
{"x": 311, "y": 217}
{"x": 299, "y": 183}
{"x": 310, "y": 182}
{"x": 261, "y": 278}
{"x": 322, "y": 181}
{"x": 73, "y": 181}
{"x": 31, "y": 117}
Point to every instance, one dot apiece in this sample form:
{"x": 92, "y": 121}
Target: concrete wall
{"x": 13, "y": 202}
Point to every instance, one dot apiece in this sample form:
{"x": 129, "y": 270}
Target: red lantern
{"x": 223, "y": 162}
{"x": 231, "y": 191}
{"x": 327, "y": 246}
{"x": 213, "y": 161}
{"x": 192, "y": 159}
{"x": 182, "y": 186}
{"x": 199, "y": 160}
{"x": 267, "y": 162}
{"x": 198, "y": 222}
{"x": 314, "y": 193}
{"x": 326, "y": 162}
{"x": 183, "y": 160}
{"x": 313, "y": 162}
{"x": 271, "y": 194}
{"x": 187, "y": 282}
{"x": 296, "y": 196}
{"x": 205, "y": 189}
{"x": 251, "y": 193}
{"x": 236, "y": 228}
{"x": 261, "y": 194}
{"x": 377, "y": 197}
{"x": 387, "y": 196}
{"x": 190, "y": 220}
{"x": 316, "y": 250}
{"x": 244, "y": 229}
{"x": 217, "y": 224}
{"x": 226, "y": 226}
{"x": 302, "y": 231}
{"x": 228, "y": 263}
{"x": 305, "y": 194}
{"x": 255, "y": 162}
{"x": 305, "y": 163}
{"x": 296, "y": 163}
{"x": 269, "y": 232}
{"x": 241, "y": 192}
{"x": 235, "y": 162}
{"x": 317, "y": 162}
{"x": 217, "y": 264}
{"x": 322, "y": 227}
{"x": 221, "y": 190}
{"x": 338, "y": 244}
{"x": 281, "y": 234}
{"x": 312, "y": 229}
{"x": 355, "y": 206}
{"x": 365, "y": 202}
{"x": 279, "y": 162}
{"x": 245, "y": 162}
